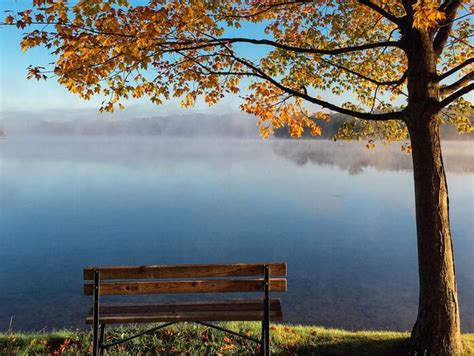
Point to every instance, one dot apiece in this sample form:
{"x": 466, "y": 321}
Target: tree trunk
{"x": 437, "y": 328}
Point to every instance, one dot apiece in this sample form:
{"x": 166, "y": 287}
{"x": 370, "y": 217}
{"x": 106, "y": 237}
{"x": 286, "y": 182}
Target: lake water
{"x": 341, "y": 216}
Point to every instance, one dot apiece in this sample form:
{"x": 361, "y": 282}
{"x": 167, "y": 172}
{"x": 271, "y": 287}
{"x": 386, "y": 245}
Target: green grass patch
{"x": 193, "y": 339}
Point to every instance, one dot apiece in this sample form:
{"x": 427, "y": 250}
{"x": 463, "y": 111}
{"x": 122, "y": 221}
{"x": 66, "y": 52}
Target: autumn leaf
{"x": 227, "y": 348}
{"x": 265, "y": 131}
{"x": 9, "y": 19}
{"x": 370, "y": 145}
{"x": 427, "y": 14}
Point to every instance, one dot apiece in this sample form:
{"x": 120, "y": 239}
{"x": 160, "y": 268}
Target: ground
{"x": 199, "y": 340}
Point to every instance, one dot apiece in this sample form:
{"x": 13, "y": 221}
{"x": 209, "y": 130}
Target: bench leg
{"x": 101, "y": 339}
{"x": 95, "y": 341}
{"x": 265, "y": 346}
{"x": 266, "y": 312}
{"x": 95, "y": 326}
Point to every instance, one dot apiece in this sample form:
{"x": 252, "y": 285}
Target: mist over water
{"x": 340, "y": 215}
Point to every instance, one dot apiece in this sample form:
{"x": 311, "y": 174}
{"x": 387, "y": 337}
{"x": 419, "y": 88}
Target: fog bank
{"x": 152, "y": 151}
{"x": 93, "y": 124}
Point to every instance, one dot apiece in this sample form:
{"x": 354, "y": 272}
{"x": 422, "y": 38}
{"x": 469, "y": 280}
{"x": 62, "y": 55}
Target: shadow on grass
{"x": 367, "y": 347}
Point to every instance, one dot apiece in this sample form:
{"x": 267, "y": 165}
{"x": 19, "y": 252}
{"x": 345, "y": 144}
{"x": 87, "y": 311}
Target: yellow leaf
{"x": 265, "y": 131}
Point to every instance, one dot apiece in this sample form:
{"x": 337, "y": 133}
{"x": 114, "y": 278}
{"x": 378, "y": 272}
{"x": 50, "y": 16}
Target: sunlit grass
{"x": 194, "y": 339}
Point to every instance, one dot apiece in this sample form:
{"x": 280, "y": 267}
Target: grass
{"x": 192, "y": 339}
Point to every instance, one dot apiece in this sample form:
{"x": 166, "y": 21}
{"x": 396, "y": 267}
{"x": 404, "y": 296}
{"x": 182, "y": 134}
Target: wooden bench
{"x": 174, "y": 279}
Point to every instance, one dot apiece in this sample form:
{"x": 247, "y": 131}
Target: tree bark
{"x": 437, "y": 328}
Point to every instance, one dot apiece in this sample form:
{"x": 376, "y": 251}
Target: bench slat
{"x": 275, "y": 315}
{"x": 185, "y": 271}
{"x": 195, "y": 306}
{"x": 183, "y": 286}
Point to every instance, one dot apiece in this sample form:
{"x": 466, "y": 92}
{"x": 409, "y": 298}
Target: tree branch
{"x": 334, "y": 51}
{"x": 450, "y": 8}
{"x": 400, "y": 115}
{"x": 408, "y": 6}
{"x": 455, "y": 69}
{"x": 259, "y": 73}
{"x": 361, "y": 115}
{"x": 267, "y": 8}
{"x": 445, "y": 5}
{"x": 381, "y": 11}
{"x": 456, "y": 95}
{"x": 216, "y": 41}
{"x": 448, "y": 89}
{"x": 396, "y": 82}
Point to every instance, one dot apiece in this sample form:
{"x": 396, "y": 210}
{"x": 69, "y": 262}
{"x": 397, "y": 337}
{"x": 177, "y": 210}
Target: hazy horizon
{"x": 140, "y": 122}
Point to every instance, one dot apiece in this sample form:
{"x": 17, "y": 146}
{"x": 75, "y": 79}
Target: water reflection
{"x": 354, "y": 157}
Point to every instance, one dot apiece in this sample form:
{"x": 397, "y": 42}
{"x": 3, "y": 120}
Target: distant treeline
{"x": 330, "y": 129}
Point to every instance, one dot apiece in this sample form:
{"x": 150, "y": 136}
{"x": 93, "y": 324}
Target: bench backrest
{"x": 172, "y": 279}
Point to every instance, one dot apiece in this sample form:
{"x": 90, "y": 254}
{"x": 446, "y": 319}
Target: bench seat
{"x": 219, "y": 310}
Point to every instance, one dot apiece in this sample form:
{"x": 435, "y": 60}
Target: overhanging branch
{"x": 450, "y": 9}
{"x": 268, "y": 7}
{"x": 455, "y": 69}
{"x": 217, "y": 41}
{"x": 320, "y": 51}
{"x": 361, "y": 115}
{"x": 448, "y": 89}
{"x": 381, "y": 11}
{"x": 408, "y": 6}
{"x": 456, "y": 95}
{"x": 396, "y": 82}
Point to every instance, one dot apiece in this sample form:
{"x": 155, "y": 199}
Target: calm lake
{"x": 341, "y": 216}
